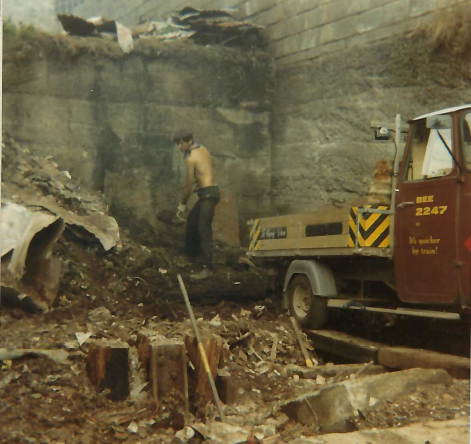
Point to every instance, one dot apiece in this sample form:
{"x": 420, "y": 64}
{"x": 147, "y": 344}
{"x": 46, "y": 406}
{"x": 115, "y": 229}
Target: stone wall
{"x": 323, "y": 151}
{"x": 297, "y": 30}
{"x": 109, "y": 118}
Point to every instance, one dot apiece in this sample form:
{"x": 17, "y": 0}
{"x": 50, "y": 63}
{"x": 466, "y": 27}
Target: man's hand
{"x": 181, "y": 209}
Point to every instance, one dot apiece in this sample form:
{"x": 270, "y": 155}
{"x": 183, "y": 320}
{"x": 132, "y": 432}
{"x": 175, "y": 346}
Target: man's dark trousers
{"x": 199, "y": 232}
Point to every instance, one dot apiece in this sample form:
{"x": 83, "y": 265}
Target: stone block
{"x": 340, "y": 9}
{"x": 255, "y": 7}
{"x": 333, "y": 406}
{"x": 298, "y": 24}
{"x": 454, "y": 431}
{"x": 418, "y": 7}
{"x": 223, "y": 4}
{"x": 339, "y": 30}
{"x": 389, "y": 14}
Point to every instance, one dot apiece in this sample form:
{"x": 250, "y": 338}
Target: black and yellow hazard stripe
{"x": 373, "y": 229}
{"x": 254, "y": 236}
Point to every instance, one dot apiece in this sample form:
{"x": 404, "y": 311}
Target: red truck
{"x": 408, "y": 256}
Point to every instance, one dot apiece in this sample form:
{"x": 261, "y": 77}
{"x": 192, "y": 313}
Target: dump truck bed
{"x": 361, "y": 230}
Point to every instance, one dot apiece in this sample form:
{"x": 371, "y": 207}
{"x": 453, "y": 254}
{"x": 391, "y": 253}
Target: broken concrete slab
{"x": 331, "y": 408}
{"x": 455, "y": 431}
{"x": 331, "y": 370}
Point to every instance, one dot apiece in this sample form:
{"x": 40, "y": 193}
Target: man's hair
{"x": 183, "y": 135}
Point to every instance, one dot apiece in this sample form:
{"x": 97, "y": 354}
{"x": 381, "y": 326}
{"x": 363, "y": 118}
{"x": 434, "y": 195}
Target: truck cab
{"x": 433, "y": 211}
{"x": 409, "y": 255}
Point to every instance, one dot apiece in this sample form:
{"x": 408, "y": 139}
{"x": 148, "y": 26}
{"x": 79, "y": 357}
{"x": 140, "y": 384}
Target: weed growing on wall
{"x": 450, "y": 31}
{"x": 10, "y": 28}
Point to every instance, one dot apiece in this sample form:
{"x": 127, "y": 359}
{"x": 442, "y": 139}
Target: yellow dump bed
{"x": 350, "y": 231}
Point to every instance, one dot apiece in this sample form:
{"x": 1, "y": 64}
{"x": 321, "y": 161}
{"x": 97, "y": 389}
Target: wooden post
{"x": 166, "y": 364}
{"x": 225, "y": 387}
{"x": 201, "y": 388}
{"x": 108, "y": 368}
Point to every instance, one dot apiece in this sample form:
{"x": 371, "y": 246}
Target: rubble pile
{"x": 118, "y": 268}
{"x": 217, "y": 27}
{"x": 89, "y": 368}
{"x": 26, "y": 177}
{"x": 205, "y": 27}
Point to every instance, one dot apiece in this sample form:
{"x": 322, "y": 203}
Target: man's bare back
{"x": 200, "y": 160}
{"x": 199, "y": 169}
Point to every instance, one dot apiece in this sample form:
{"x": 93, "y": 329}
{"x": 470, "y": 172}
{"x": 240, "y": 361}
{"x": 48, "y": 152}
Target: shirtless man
{"x": 199, "y": 172}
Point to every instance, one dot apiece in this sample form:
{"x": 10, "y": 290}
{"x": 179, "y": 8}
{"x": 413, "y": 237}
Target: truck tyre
{"x": 308, "y": 309}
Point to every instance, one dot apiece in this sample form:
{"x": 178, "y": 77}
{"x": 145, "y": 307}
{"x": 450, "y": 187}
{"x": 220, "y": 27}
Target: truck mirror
{"x": 439, "y": 122}
{"x": 382, "y": 134}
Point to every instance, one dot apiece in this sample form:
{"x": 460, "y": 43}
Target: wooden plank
{"x": 347, "y": 346}
{"x": 404, "y": 358}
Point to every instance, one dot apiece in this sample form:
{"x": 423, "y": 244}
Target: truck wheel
{"x": 308, "y": 309}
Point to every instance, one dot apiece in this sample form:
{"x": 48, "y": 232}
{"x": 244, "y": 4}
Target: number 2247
{"x": 427, "y": 211}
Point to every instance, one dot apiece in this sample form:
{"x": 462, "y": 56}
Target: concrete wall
{"x": 109, "y": 118}
{"x": 297, "y": 30}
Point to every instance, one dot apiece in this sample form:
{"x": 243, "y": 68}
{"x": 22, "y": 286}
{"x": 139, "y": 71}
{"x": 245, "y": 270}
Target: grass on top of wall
{"x": 21, "y": 30}
{"x": 451, "y": 31}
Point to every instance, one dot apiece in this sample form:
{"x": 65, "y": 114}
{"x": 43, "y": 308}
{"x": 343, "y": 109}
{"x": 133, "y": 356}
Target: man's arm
{"x": 190, "y": 178}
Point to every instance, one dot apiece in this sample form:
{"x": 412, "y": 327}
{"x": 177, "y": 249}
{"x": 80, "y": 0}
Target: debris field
{"x": 114, "y": 357}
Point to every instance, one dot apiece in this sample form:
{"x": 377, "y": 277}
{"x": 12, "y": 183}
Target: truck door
{"x": 426, "y": 217}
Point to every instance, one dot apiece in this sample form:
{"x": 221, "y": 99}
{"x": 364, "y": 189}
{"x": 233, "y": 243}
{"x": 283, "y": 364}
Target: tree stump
{"x": 108, "y": 368}
{"x": 200, "y": 393}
